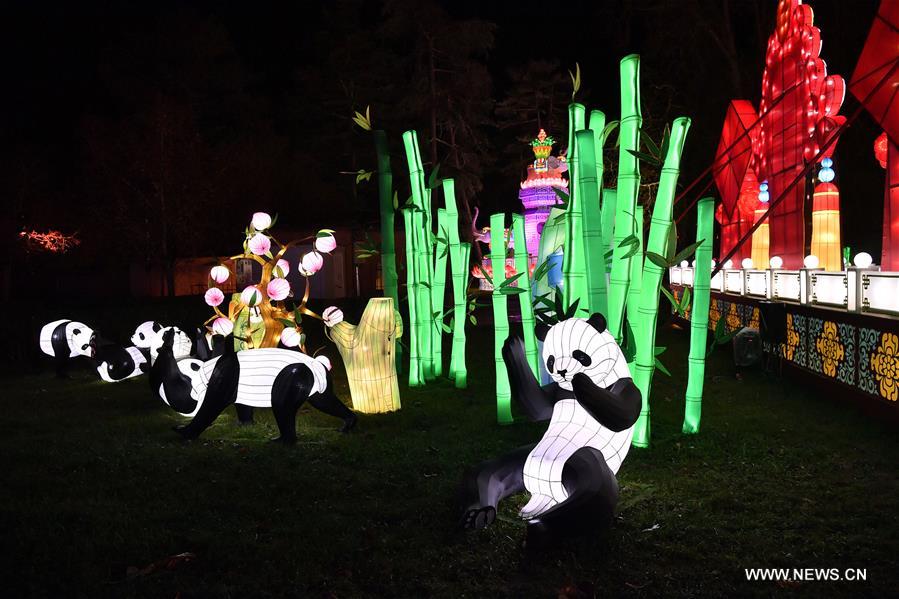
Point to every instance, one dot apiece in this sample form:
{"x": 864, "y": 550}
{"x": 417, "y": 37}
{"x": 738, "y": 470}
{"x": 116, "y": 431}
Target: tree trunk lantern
{"x": 368, "y": 352}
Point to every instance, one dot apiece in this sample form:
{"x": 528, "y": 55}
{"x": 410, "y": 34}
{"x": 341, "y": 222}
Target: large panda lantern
{"x": 279, "y": 379}
{"x": 592, "y": 405}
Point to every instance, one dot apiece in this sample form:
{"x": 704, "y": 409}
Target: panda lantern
{"x": 280, "y": 379}
{"x": 592, "y": 405}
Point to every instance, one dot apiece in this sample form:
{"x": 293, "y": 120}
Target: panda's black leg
{"x": 593, "y": 494}
{"x": 244, "y": 414}
{"x": 289, "y": 391}
{"x": 488, "y": 483}
{"x": 220, "y": 393}
{"x": 327, "y": 402}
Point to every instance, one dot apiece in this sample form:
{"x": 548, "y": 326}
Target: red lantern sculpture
{"x": 735, "y": 182}
{"x": 797, "y": 116}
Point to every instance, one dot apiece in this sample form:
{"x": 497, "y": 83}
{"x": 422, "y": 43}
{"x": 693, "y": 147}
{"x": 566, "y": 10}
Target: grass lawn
{"x": 94, "y": 481}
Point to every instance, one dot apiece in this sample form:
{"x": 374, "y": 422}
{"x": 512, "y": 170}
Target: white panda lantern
{"x": 67, "y": 339}
{"x": 181, "y": 343}
{"x": 274, "y": 378}
{"x": 145, "y": 333}
{"x": 592, "y": 405}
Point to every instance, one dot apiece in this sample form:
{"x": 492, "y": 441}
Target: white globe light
{"x": 729, "y": 264}
{"x": 693, "y": 263}
{"x": 746, "y": 263}
{"x": 863, "y": 260}
{"x": 684, "y": 264}
{"x": 776, "y": 262}
{"x": 713, "y": 263}
{"x": 811, "y": 261}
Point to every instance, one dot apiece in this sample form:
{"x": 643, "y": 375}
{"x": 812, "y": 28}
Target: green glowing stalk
{"x": 415, "y": 369}
{"x": 524, "y": 282}
{"x": 500, "y": 317}
{"x": 421, "y": 232}
{"x": 388, "y": 244}
{"x": 459, "y": 256}
{"x": 628, "y": 186}
{"x": 574, "y": 273}
{"x": 607, "y": 214}
{"x": 648, "y": 304}
{"x": 438, "y": 290}
{"x": 590, "y": 156}
{"x": 699, "y": 316}
{"x": 636, "y": 276}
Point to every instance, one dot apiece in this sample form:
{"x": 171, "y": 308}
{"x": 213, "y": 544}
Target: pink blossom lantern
{"x": 219, "y": 274}
{"x": 214, "y": 297}
{"x": 251, "y": 296}
{"x": 259, "y": 244}
{"x": 278, "y": 289}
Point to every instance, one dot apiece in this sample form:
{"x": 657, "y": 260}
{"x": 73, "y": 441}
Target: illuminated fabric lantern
{"x": 259, "y": 244}
{"x": 222, "y": 326}
{"x": 278, "y": 289}
{"x": 880, "y": 149}
{"x": 760, "y": 240}
{"x": 281, "y": 269}
{"x": 261, "y": 221}
{"x": 325, "y": 242}
{"x": 311, "y": 263}
{"x": 591, "y": 405}
{"x": 251, "y": 296}
{"x": 368, "y": 351}
{"x": 219, "y": 274}
{"x": 826, "y": 227}
{"x": 214, "y": 297}
{"x": 736, "y": 183}
{"x": 538, "y": 191}
{"x": 290, "y": 337}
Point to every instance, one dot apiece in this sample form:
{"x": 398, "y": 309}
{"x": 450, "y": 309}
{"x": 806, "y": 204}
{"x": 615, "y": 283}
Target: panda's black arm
{"x": 616, "y": 408}
{"x": 536, "y": 401}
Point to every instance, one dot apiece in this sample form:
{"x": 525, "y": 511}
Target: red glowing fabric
{"x": 876, "y": 62}
{"x": 798, "y": 112}
{"x": 731, "y": 171}
{"x": 890, "y": 254}
{"x": 880, "y": 149}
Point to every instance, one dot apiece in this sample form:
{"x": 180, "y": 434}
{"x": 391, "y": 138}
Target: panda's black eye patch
{"x": 550, "y": 362}
{"x": 76, "y": 331}
{"x": 194, "y": 366}
{"x": 581, "y": 357}
{"x": 141, "y": 335}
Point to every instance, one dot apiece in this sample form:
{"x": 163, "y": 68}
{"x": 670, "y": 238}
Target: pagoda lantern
{"x": 826, "y": 220}
{"x": 538, "y": 191}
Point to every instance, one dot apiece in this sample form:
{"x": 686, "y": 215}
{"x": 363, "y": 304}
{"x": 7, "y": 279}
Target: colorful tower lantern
{"x": 887, "y": 153}
{"x": 826, "y": 220}
{"x": 761, "y": 239}
{"x": 538, "y": 191}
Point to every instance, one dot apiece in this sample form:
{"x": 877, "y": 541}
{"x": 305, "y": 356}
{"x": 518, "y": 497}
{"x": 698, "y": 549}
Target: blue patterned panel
{"x": 846, "y": 370}
{"x": 814, "y": 328}
{"x": 867, "y": 343}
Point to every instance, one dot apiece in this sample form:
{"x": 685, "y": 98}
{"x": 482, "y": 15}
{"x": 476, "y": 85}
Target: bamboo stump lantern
{"x": 368, "y": 352}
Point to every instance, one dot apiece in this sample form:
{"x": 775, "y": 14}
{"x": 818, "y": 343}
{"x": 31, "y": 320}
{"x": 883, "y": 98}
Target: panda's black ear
{"x": 156, "y": 327}
{"x": 541, "y": 330}
{"x": 598, "y": 322}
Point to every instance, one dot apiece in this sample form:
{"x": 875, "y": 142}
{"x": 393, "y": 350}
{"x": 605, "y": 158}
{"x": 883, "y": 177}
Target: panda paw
{"x": 284, "y": 440}
{"x": 477, "y": 518}
{"x": 185, "y": 431}
{"x": 348, "y": 424}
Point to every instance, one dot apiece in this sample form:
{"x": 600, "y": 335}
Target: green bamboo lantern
{"x": 647, "y": 311}
{"x": 500, "y": 317}
{"x": 636, "y": 276}
{"x": 459, "y": 257}
{"x": 574, "y": 270}
{"x": 438, "y": 291}
{"x": 524, "y": 282}
{"x": 628, "y": 186}
{"x": 699, "y": 315}
{"x": 388, "y": 243}
{"x": 416, "y": 375}
{"x": 594, "y": 239}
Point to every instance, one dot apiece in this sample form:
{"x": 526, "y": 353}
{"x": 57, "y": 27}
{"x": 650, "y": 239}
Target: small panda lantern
{"x": 591, "y": 404}
{"x": 280, "y": 379}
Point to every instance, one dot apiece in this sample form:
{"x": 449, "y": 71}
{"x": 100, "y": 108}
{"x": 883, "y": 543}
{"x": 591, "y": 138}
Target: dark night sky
{"x": 53, "y": 55}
